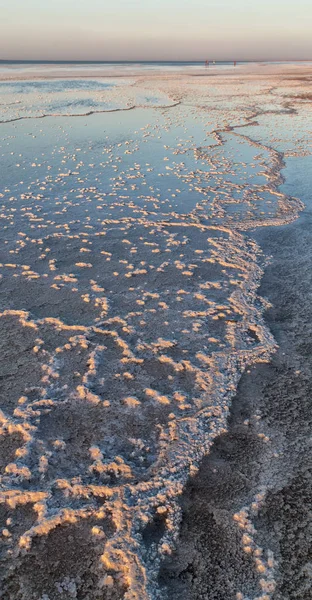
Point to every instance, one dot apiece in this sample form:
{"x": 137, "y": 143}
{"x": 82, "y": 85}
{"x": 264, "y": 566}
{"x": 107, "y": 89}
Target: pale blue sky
{"x": 155, "y": 29}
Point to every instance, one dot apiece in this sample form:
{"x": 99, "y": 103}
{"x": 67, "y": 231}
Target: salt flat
{"x": 131, "y": 260}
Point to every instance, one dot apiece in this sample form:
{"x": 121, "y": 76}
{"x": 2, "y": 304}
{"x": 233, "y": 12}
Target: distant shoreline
{"x": 31, "y": 71}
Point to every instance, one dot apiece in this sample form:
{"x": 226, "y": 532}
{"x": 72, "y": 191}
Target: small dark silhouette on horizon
{"x": 207, "y": 62}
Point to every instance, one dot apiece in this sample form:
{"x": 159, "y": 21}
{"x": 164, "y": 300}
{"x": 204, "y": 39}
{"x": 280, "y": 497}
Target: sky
{"x": 155, "y": 29}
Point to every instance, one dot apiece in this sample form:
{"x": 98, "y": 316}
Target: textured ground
{"x": 266, "y": 452}
{"x": 133, "y": 244}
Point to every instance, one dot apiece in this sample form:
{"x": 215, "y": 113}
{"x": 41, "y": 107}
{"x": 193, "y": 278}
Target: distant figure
{"x": 234, "y": 63}
{"x": 207, "y": 63}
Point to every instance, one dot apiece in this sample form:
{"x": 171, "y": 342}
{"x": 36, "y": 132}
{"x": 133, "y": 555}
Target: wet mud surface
{"x": 263, "y": 463}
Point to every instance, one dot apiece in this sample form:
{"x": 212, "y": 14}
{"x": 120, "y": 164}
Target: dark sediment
{"x": 209, "y": 562}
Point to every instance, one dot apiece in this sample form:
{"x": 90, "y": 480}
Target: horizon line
{"x": 199, "y": 60}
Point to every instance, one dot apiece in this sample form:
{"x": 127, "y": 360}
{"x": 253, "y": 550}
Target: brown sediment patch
{"x": 304, "y": 96}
